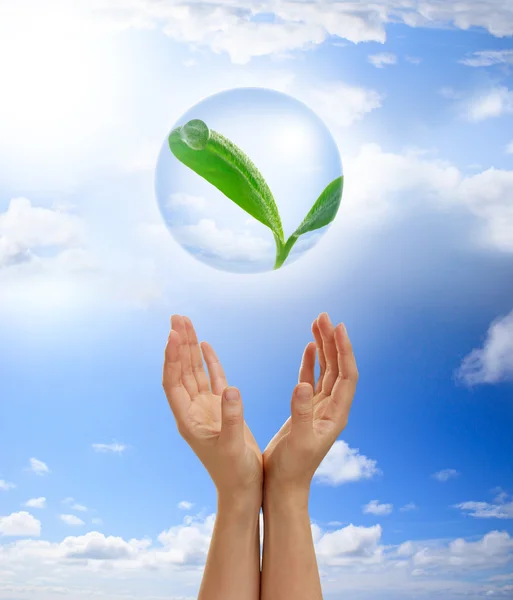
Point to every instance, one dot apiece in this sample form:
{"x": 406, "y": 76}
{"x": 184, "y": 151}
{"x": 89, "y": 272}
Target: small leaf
{"x": 322, "y": 213}
{"x": 325, "y": 208}
{"x": 224, "y": 165}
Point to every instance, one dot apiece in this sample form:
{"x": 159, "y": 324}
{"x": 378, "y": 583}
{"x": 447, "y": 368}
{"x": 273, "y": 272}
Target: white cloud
{"x": 492, "y": 550}
{"x": 375, "y": 508}
{"x": 26, "y": 229}
{"x": 343, "y": 464}
{"x": 96, "y": 546}
{"x": 79, "y": 507}
{"x": 71, "y": 520}
{"x": 353, "y": 560}
{"x": 409, "y": 507}
{"x": 486, "y": 510}
{"x": 494, "y": 361}
{"x": 36, "y": 502}
{"x": 6, "y": 485}
{"x": 445, "y": 475}
{"x": 47, "y": 253}
{"x": 382, "y": 59}
{"x": 229, "y": 27}
{"x": 185, "y": 505}
{"x": 490, "y": 103}
{"x": 20, "y": 524}
{"x": 509, "y": 148}
{"x": 350, "y": 545}
{"x": 343, "y": 104}
{"x": 414, "y": 60}
{"x": 486, "y": 195}
{"x": 486, "y": 58}
{"x": 115, "y": 448}
{"x": 38, "y": 467}
{"x": 225, "y": 244}
{"x": 96, "y": 521}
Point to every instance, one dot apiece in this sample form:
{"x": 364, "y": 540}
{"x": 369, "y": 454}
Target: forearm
{"x": 232, "y": 571}
{"x": 289, "y": 565}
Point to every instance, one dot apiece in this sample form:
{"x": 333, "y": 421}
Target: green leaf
{"x": 224, "y": 165}
{"x": 322, "y": 213}
{"x": 325, "y": 208}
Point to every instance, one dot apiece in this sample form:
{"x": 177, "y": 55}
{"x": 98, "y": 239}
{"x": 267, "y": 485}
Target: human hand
{"x": 319, "y": 412}
{"x": 209, "y": 415}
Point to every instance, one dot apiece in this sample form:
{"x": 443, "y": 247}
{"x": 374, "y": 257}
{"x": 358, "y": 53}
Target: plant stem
{"x": 283, "y": 250}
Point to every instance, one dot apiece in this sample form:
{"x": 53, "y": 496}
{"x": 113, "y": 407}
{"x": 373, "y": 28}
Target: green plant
{"x": 224, "y": 165}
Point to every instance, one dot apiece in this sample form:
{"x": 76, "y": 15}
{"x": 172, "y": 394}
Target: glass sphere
{"x": 288, "y": 144}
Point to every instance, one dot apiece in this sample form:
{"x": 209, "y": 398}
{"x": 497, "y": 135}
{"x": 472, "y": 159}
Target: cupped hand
{"x": 209, "y": 414}
{"x": 319, "y": 411}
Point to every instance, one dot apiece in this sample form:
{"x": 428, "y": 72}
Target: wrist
{"x": 286, "y": 498}
{"x": 241, "y": 503}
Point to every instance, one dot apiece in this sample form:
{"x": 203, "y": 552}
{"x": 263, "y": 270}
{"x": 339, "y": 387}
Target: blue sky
{"x": 415, "y": 499}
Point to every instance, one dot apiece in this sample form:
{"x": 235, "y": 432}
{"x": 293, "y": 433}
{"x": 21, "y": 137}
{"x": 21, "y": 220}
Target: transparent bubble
{"x": 290, "y": 146}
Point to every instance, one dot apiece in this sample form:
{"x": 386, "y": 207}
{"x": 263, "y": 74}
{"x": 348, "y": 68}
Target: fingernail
{"x": 231, "y": 394}
{"x": 344, "y": 330}
{"x": 303, "y": 392}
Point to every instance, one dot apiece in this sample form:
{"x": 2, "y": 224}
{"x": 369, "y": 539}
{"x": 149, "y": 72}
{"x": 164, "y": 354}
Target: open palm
{"x": 326, "y": 414}
{"x": 196, "y": 402}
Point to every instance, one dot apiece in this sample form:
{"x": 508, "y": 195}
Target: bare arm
{"x": 232, "y": 571}
{"x": 209, "y": 416}
{"x": 289, "y": 568}
{"x": 318, "y": 415}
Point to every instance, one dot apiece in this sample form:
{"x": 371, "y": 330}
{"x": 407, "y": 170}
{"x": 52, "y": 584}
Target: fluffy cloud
{"x": 38, "y": 467}
{"x": 500, "y": 508}
{"x": 492, "y": 550}
{"x": 486, "y": 58}
{"x": 36, "y": 502}
{"x": 375, "y": 508}
{"x": 231, "y": 27}
{"x": 185, "y": 505}
{"x": 343, "y": 464}
{"x": 494, "y": 361}
{"x": 115, "y": 448}
{"x": 20, "y": 524}
{"x": 96, "y": 546}
{"x": 343, "y": 104}
{"x": 485, "y": 510}
{"x": 382, "y": 59}
{"x": 225, "y": 244}
{"x": 25, "y": 230}
{"x": 71, "y": 520}
{"x": 395, "y": 177}
{"x": 6, "y": 485}
{"x": 445, "y": 475}
{"x": 352, "y": 559}
{"x": 350, "y": 545}
{"x": 490, "y": 103}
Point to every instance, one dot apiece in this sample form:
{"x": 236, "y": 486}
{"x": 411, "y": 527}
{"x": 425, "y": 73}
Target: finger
{"x": 196, "y": 357}
{"x": 232, "y": 419}
{"x": 320, "y": 351}
{"x": 171, "y": 377}
{"x": 345, "y": 356}
{"x": 344, "y": 389}
{"x": 215, "y": 369}
{"x": 301, "y": 412}
{"x": 330, "y": 352}
{"x": 188, "y": 379}
{"x": 307, "y": 369}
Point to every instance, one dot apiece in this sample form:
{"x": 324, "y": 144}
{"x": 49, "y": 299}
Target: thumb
{"x": 301, "y": 411}
{"x": 232, "y": 417}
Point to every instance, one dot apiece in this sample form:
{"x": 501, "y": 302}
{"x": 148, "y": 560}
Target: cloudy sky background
{"x": 99, "y": 497}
